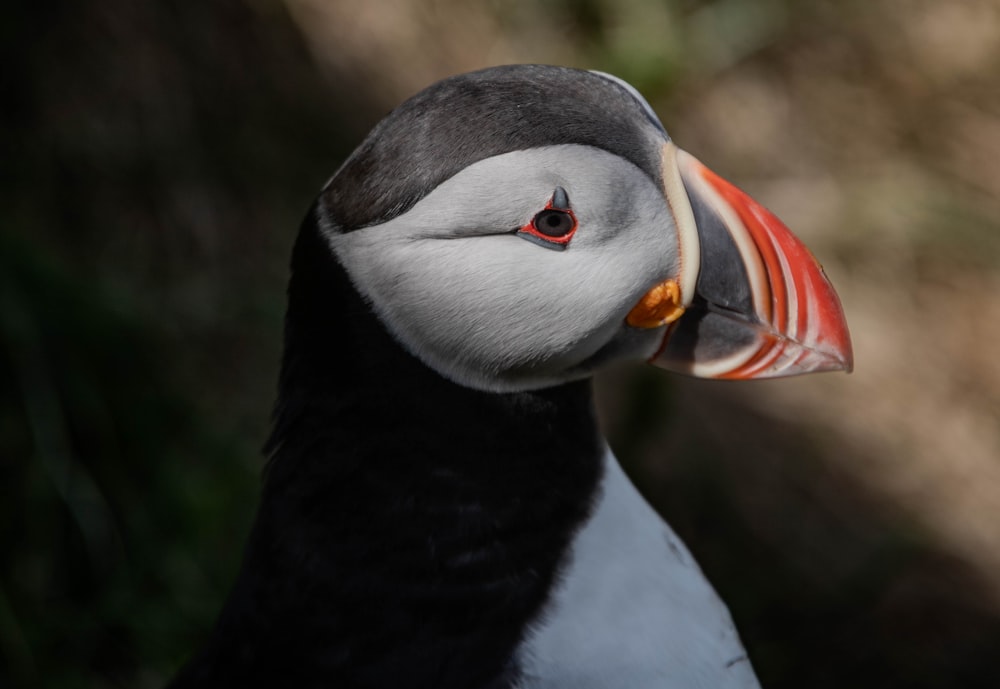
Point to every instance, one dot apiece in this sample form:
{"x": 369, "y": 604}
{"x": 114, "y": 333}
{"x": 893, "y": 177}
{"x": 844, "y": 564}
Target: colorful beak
{"x": 761, "y": 305}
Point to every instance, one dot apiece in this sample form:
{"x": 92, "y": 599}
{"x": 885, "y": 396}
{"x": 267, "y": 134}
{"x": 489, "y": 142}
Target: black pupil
{"x": 553, "y": 223}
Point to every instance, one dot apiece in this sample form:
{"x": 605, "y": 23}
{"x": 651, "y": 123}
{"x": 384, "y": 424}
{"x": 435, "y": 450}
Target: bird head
{"x": 522, "y": 226}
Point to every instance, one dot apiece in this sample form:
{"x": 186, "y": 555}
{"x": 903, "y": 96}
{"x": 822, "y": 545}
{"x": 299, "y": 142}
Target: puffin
{"x": 439, "y": 508}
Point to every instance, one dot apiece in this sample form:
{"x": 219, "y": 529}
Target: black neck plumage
{"x": 410, "y": 528}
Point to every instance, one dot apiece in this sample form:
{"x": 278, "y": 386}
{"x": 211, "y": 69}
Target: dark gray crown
{"x": 466, "y": 118}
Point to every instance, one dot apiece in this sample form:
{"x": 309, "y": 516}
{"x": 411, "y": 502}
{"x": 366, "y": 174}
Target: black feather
{"x": 409, "y": 528}
{"x": 466, "y": 118}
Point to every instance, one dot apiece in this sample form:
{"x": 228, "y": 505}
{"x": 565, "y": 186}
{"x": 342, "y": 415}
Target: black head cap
{"x": 469, "y": 117}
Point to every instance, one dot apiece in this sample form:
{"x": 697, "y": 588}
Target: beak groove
{"x": 762, "y": 306}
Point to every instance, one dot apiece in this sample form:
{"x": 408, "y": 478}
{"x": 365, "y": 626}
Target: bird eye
{"x": 553, "y": 226}
{"x": 553, "y": 223}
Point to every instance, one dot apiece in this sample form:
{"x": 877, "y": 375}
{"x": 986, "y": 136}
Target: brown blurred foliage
{"x": 157, "y": 157}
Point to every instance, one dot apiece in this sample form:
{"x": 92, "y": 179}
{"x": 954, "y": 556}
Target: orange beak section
{"x": 762, "y": 306}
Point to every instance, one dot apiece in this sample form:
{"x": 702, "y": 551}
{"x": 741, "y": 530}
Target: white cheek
{"x": 490, "y": 303}
{"x": 495, "y": 311}
{"x": 503, "y": 308}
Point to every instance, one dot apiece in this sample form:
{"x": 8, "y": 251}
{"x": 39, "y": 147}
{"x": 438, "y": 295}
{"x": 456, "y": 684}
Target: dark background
{"x": 157, "y": 158}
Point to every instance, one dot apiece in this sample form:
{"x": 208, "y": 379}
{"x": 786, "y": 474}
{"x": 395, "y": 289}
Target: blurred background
{"x": 158, "y": 156}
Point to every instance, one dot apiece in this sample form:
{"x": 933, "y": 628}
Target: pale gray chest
{"x": 632, "y": 609}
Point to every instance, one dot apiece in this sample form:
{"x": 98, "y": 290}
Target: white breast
{"x": 632, "y": 610}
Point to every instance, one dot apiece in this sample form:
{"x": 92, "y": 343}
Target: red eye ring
{"x": 554, "y": 226}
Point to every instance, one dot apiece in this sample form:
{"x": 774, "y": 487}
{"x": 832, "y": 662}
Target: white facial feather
{"x": 490, "y": 310}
